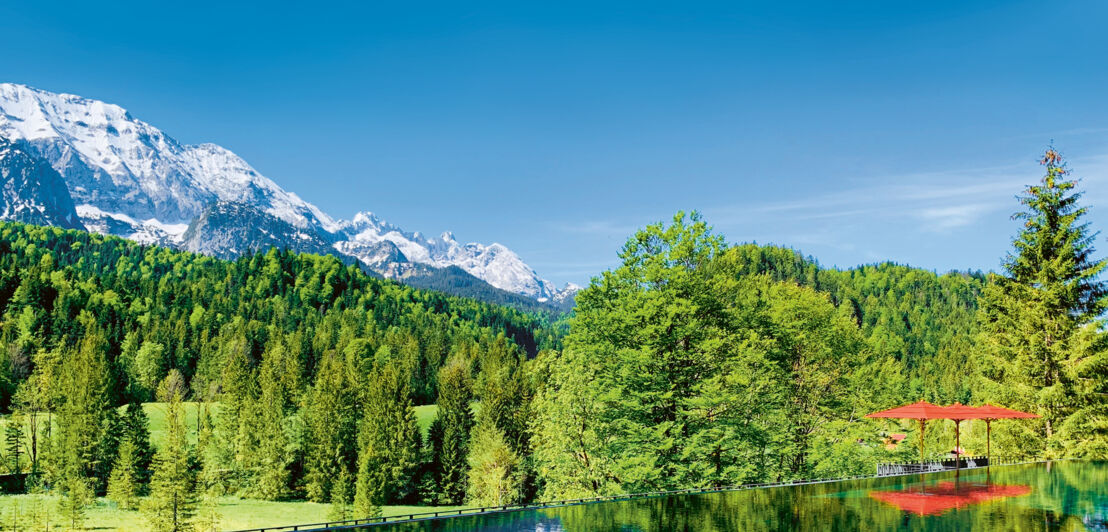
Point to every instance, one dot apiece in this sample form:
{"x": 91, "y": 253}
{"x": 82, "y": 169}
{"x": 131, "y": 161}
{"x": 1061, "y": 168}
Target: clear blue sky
{"x": 855, "y": 132}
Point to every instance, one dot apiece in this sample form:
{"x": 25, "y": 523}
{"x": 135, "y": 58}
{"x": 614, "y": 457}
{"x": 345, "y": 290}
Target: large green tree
{"x": 683, "y": 368}
{"x": 1032, "y": 314}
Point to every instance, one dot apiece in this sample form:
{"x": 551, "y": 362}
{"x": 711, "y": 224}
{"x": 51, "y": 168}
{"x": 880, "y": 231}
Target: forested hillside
{"x": 924, "y": 320}
{"x": 159, "y": 309}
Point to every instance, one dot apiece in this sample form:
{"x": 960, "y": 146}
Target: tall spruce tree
{"x": 340, "y": 509}
{"x": 136, "y": 428}
{"x": 83, "y": 401}
{"x": 389, "y": 443}
{"x": 172, "y": 500}
{"x": 13, "y": 444}
{"x": 450, "y": 447}
{"x": 331, "y": 428}
{"x": 123, "y": 486}
{"x": 1031, "y": 315}
{"x": 495, "y": 477}
{"x": 210, "y": 484}
{"x": 278, "y": 384}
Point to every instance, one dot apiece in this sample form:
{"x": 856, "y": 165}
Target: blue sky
{"x": 854, "y": 131}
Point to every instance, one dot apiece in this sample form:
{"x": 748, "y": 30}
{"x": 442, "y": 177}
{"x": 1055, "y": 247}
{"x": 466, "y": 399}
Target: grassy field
{"x": 40, "y": 512}
{"x": 424, "y": 416}
{"x": 156, "y": 413}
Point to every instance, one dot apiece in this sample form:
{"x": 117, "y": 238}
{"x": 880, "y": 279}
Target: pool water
{"x": 1066, "y": 495}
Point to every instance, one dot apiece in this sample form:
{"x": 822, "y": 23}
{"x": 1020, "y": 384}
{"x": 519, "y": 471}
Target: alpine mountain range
{"x": 78, "y": 163}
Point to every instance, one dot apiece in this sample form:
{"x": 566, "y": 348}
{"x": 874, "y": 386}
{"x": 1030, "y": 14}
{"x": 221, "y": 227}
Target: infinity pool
{"x": 1064, "y": 495}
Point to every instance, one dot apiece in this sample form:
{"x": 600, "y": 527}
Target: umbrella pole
{"x": 921, "y": 429}
{"x": 988, "y": 442}
{"x": 957, "y": 444}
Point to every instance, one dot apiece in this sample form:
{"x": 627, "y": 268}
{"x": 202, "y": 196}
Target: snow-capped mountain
{"x": 367, "y": 237}
{"x": 127, "y": 178}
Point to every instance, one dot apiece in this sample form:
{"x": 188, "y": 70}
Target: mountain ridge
{"x": 128, "y": 178}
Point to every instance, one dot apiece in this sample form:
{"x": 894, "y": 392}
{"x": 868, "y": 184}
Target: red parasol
{"x": 921, "y": 411}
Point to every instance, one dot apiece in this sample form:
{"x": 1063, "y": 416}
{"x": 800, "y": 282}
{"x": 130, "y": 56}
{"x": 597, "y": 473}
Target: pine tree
{"x": 13, "y": 444}
{"x": 329, "y": 416}
{"x": 77, "y": 496}
{"x": 83, "y": 394}
{"x": 273, "y": 457}
{"x": 450, "y": 447}
{"x": 136, "y": 429}
{"x": 235, "y": 429}
{"x": 172, "y": 500}
{"x": 369, "y": 484}
{"x": 389, "y": 443}
{"x": 340, "y": 509}
{"x": 209, "y": 483}
{"x": 495, "y": 478}
{"x": 123, "y": 485}
{"x": 107, "y": 448}
{"x": 1031, "y": 315}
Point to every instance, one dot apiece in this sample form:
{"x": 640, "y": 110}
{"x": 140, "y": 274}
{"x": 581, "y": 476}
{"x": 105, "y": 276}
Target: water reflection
{"x": 945, "y": 496}
{"x": 1067, "y": 496}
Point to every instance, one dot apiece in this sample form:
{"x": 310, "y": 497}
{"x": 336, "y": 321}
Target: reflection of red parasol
{"x": 990, "y": 413}
{"x": 948, "y": 495}
{"x": 921, "y": 411}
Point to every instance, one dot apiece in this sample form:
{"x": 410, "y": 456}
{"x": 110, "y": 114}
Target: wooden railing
{"x": 933, "y": 466}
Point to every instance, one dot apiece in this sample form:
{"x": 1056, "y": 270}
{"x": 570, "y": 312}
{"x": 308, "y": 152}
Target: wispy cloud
{"x": 940, "y": 200}
{"x": 941, "y": 219}
{"x": 597, "y": 228}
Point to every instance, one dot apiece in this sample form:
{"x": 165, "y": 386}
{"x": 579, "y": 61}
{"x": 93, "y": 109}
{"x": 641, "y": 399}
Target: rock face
{"x": 31, "y": 191}
{"x": 81, "y": 163}
{"x": 227, "y": 230}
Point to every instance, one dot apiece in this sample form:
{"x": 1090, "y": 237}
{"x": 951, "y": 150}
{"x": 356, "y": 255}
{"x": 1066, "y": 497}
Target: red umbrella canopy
{"x": 961, "y": 412}
{"x": 920, "y": 410}
{"x": 988, "y": 411}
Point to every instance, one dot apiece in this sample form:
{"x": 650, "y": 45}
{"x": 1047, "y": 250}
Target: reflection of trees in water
{"x": 1059, "y": 498}
{"x": 506, "y": 522}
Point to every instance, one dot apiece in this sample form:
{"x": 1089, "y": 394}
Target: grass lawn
{"x": 155, "y": 412}
{"x": 425, "y": 414}
{"x": 39, "y": 511}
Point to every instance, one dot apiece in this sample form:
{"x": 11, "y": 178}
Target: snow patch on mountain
{"x": 149, "y": 231}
